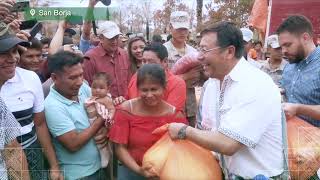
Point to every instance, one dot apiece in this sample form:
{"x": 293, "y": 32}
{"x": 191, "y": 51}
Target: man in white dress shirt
{"x": 243, "y": 106}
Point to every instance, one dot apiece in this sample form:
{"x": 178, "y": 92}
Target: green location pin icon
{"x": 32, "y": 12}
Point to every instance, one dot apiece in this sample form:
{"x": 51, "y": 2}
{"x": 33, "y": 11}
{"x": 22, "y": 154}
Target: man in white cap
{"x": 177, "y": 47}
{"x": 247, "y": 38}
{"x": 275, "y": 64}
{"x": 247, "y": 35}
{"x": 110, "y": 58}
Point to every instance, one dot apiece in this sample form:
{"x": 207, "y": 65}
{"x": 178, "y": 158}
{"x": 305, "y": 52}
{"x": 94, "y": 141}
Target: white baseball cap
{"x": 247, "y": 34}
{"x": 109, "y": 29}
{"x": 179, "y": 19}
{"x": 273, "y": 41}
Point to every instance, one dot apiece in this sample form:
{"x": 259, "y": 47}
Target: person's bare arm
{"x": 212, "y": 140}
{"x": 45, "y": 141}
{"x": 312, "y": 111}
{"x": 124, "y": 156}
{"x": 57, "y": 39}
{"x": 87, "y": 25}
{"x": 16, "y": 161}
{"x": 86, "y": 30}
{"x": 74, "y": 140}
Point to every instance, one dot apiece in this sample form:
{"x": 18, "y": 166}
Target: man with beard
{"x": 300, "y": 78}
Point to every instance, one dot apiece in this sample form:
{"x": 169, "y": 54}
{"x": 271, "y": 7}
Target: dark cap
{"x": 9, "y": 40}
{"x": 106, "y": 2}
{"x": 71, "y": 32}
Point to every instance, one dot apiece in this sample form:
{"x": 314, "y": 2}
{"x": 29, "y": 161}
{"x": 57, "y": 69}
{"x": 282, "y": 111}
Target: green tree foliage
{"x": 161, "y": 18}
{"x": 237, "y": 11}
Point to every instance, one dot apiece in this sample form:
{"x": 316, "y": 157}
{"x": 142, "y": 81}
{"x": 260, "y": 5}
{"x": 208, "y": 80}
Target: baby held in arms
{"x": 101, "y": 103}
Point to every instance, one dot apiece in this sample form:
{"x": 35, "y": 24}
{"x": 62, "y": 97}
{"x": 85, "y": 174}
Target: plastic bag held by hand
{"x": 185, "y": 63}
{"x": 303, "y": 148}
{"x": 180, "y": 159}
{"x": 156, "y": 156}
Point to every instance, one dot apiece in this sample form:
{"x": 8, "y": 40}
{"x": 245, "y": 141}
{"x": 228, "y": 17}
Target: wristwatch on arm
{"x": 182, "y": 134}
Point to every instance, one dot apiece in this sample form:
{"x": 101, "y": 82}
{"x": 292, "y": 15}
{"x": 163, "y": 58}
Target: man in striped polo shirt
{"x": 22, "y": 92}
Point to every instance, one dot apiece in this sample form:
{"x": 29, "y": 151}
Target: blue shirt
{"x": 64, "y": 115}
{"x": 301, "y": 82}
{"x": 85, "y": 45}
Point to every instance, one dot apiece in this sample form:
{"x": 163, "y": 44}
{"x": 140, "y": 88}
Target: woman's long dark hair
{"x": 133, "y": 60}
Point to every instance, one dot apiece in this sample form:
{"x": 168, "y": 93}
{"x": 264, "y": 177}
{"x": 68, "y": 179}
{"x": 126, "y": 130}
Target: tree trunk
{"x": 199, "y": 14}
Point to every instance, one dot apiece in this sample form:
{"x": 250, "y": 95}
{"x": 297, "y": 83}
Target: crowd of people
{"x": 87, "y": 111}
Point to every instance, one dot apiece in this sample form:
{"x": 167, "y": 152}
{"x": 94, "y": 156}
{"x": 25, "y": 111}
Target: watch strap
{"x": 182, "y": 134}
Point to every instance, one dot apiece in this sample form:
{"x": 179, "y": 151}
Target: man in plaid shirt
{"x": 11, "y": 153}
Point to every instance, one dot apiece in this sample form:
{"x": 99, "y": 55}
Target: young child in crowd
{"x": 101, "y": 103}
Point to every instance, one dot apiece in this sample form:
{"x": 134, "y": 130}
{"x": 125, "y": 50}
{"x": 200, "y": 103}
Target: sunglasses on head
{"x": 136, "y": 35}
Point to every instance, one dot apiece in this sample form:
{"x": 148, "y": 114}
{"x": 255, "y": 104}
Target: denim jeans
{"x": 98, "y": 175}
{"x": 125, "y": 173}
